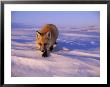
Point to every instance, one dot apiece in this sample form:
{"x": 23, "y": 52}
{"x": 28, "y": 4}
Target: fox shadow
{"x": 75, "y": 46}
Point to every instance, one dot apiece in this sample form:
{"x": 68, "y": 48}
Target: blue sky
{"x": 61, "y": 18}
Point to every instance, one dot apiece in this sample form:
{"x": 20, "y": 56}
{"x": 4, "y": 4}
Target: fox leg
{"x": 51, "y": 48}
{"x": 45, "y": 54}
{"x": 55, "y": 42}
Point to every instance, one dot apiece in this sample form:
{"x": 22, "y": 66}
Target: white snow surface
{"x": 77, "y": 54}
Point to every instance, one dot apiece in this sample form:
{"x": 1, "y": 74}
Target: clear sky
{"x": 72, "y": 18}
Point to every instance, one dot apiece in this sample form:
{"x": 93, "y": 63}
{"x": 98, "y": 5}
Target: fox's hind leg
{"x": 55, "y": 42}
{"x": 51, "y": 48}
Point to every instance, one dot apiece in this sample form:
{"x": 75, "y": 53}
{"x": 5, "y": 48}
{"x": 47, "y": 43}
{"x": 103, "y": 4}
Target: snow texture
{"x": 77, "y": 53}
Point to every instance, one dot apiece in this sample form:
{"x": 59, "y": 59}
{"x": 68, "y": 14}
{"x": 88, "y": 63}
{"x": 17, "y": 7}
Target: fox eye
{"x": 40, "y": 44}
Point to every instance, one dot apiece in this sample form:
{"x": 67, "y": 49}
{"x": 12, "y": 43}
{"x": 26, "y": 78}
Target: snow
{"x": 77, "y": 54}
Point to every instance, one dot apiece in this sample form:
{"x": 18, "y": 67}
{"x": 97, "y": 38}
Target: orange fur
{"x": 43, "y": 38}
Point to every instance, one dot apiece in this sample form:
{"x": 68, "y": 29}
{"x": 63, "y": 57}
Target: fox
{"x": 46, "y": 38}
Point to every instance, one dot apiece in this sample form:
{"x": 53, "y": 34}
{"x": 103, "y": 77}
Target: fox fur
{"x": 46, "y": 37}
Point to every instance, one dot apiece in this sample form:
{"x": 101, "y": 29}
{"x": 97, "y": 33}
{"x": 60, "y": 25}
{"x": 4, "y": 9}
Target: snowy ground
{"x": 77, "y": 54}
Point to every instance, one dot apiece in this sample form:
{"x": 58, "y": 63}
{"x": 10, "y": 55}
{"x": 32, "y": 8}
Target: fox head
{"x": 43, "y": 40}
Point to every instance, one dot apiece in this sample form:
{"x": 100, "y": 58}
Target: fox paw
{"x": 45, "y": 54}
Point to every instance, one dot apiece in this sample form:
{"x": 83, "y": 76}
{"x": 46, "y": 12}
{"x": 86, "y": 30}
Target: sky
{"x": 61, "y": 18}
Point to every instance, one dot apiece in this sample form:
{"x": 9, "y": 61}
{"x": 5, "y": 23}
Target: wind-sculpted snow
{"x": 77, "y": 54}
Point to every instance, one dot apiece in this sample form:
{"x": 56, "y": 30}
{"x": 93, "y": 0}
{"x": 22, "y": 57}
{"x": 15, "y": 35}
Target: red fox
{"x": 46, "y": 38}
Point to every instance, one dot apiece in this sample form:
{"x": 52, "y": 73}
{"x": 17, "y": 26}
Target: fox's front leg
{"x": 45, "y": 54}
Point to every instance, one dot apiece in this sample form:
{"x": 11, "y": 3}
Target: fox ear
{"x": 48, "y": 34}
{"x": 38, "y": 33}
